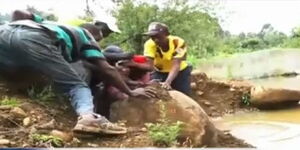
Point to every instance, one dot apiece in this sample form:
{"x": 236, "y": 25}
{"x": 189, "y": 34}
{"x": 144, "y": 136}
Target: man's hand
{"x": 166, "y": 85}
{"x": 147, "y": 92}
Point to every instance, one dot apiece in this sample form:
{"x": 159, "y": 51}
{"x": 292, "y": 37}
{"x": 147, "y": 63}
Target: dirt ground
{"x": 219, "y": 98}
{"x": 56, "y": 117}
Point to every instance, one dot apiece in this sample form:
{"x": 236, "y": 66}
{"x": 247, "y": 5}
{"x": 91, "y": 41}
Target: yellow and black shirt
{"x": 163, "y": 60}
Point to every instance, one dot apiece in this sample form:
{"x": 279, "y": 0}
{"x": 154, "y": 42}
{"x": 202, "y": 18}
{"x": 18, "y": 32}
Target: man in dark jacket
{"x": 30, "y": 42}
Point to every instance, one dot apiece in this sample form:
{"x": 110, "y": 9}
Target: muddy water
{"x": 268, "y": 129}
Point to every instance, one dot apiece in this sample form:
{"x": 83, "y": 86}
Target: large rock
{"x": 179, "y": 107}
{"x": 262, "y": 96}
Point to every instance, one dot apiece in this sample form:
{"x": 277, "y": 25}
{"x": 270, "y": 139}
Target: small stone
{"x": 18, "y": 112}
{"x": 199, "y": 93}
{"x": 39, "y": 117}
{"x": 67, "y": 137}
{"x": 93, "y": 145}
{"x": 76, "y": 140}
{"x": 122, "y": 124}
{"x": 49, "y": 125}
{"x": 5, "y": 107}
{"x": 214, "y": 114}
{"x": 26, "y": 122}
{"x": 144, "y": 129}
{"x": 4, "y": 142}
{"x": 12, "y": 143}
{"x": 212, "y": 108}
{"x": 25, "y": 145}
{"x": 193, "y": 85}
{"x": 232, "y": 89}
{"x": 32, "y": 130}
{"x": 26, "y": 107}
{"x": 207, "y": 103}
{"x": 231, "y": 111}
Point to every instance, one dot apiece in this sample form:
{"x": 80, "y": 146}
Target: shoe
{"x": 94, "y": 123}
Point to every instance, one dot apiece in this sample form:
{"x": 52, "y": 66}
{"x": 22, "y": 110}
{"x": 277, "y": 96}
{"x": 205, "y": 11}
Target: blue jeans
{"x": 25, "y": 47}
{"x": 181, "y": 83}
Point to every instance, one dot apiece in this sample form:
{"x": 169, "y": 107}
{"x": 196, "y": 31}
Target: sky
{"x": 239, "y": 15}
{"x": 251, "y": 15}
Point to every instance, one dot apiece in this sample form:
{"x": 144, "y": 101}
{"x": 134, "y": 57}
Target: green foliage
{"x": 45, "y": 15}
{"x": 47, "y": 139}
{"x": 9, "y": 101}
{"x": 44, "y": 93}
{"x": 246, "y": 99}
{"x": 267, "y": 38}
{"x": 164, "y": 132}
{"x": 200, "y": 31}
{"x": 196, "y": 24}
{"x": 252, "y": 43}
{"x": 293, "y": 42}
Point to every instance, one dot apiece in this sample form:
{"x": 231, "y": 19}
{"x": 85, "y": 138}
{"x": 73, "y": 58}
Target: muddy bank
{"x": 219, "y": 98}
{"x": 47, "y": 116}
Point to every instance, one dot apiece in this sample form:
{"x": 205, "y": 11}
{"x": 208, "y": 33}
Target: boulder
{"x": 179, "y": 107}
{"x": 261, "y": 95}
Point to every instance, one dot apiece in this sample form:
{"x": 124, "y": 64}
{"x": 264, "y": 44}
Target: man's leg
{"x": 182, "y": 82}
{"x": 84, "y": 73}
{"x": 38, "y": 51}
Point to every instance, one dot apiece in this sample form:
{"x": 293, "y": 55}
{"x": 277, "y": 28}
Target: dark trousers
{"x": 181, "y": 83}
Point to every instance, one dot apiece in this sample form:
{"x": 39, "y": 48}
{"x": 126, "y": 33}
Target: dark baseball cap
{"x": 155, "y": 28}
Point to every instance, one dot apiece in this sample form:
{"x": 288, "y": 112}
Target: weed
{"x": 13, "y": 102}
{"x": 43, "y": 94}
{"x": 246, "y": 99}
{"x": 47, "y": 139}
{"x": 164, "y": 132}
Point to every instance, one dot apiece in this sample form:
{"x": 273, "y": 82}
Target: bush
{"x": 164, "y": 132}
{"x": 9, "y": 101}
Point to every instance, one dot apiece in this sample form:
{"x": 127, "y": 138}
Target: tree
{"x": 45, "y": 15}
{"x": 200, "y": 30}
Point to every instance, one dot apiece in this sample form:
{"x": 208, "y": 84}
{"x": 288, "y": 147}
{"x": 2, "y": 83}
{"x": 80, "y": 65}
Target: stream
{"x": 267, "y": 128}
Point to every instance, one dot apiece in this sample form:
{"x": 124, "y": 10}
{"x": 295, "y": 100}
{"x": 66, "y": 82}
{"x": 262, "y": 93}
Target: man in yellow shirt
{"x": 167, "y": 56}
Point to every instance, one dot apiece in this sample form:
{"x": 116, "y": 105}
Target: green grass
{"x": 47, "y": 139}
{"x": 9, "y": 101}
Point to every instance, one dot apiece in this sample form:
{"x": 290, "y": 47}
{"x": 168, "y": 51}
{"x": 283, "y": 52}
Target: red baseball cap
{"x": 139, "y": 59}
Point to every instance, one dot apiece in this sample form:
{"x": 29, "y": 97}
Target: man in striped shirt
{"x": 47, "y": 47}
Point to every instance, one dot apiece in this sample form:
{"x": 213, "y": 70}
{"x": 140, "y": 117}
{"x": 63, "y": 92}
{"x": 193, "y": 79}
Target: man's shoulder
{"x": 173, "y": 37}
{"x": 150, "y": 42}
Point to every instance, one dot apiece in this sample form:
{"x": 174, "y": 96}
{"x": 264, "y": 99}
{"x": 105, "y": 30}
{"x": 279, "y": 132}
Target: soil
{"x": 216, "y": 99}
{"x": 220, "y": 98}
